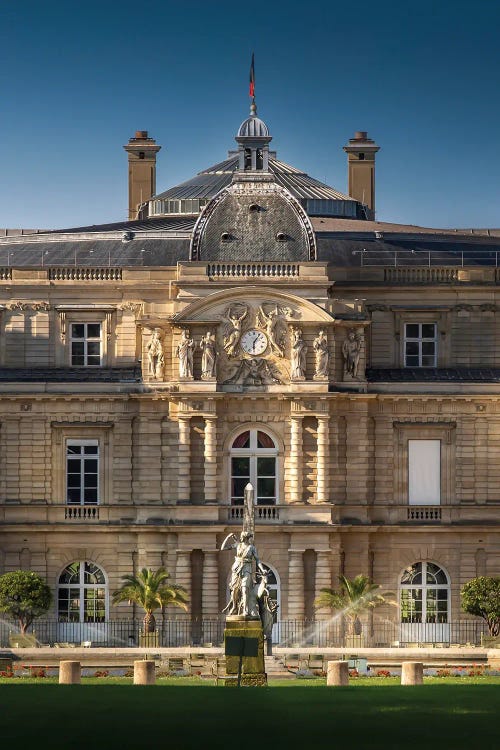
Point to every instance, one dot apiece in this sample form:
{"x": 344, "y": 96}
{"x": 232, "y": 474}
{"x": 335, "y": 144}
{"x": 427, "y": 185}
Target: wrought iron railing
{"x": 183, "y": 632}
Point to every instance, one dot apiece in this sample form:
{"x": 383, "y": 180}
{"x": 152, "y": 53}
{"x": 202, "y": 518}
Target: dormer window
{"x": 254, "y": 208}
{"x": 281, "y": 237}
{"x": 225, "y": 237}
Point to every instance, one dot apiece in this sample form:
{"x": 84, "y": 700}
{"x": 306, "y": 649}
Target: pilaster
{"x": 295, "y": 467}
{"x": 210, "y": 592}
{"x": 210, "y": 456}
{"x": 295, "y": 584}
{"x": 184, "y": 460}
{"x": 322, "y": 460}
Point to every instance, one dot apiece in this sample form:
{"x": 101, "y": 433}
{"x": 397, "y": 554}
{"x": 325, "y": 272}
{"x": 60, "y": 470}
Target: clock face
{"x": 254, "y": 342}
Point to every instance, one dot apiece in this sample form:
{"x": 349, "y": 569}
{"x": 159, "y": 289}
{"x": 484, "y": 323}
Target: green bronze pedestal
{"x": 253, "y": 671}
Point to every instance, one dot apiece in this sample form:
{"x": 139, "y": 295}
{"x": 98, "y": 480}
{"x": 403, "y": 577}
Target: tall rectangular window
{"x": 85, "y": 344}
{"x": 82, "y": 472}
{"x": 420, "y": 345}
{"x": 424, "y": 472}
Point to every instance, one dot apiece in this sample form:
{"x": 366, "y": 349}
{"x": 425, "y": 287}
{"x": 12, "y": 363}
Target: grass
{"x": 376, "y": 713}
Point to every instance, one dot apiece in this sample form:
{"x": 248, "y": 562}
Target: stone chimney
{"x": 142, "y": 152}
{"x": 361, "y": 152}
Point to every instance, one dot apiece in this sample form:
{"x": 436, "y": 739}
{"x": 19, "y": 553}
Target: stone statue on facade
{"x": 156, "y": 359}
{"x": 351, "y": 351}
{"x": 274, "y": 322}
{"x": 298, "y": 355}
{"x": 320, "y": 346}
{"x": 184, "y": 352}
{"x": 232, "y": 333}
{"x": 208, "y": 357}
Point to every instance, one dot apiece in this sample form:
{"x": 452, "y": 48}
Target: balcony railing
{"x": 81, "y": 513}
{"x": 85, "y": 274}
{"x": 263, "y": 513}
{"x": 424, "y": 513}
{"x": 253, "y": 270}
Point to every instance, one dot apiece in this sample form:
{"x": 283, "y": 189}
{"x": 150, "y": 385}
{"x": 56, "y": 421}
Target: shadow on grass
{"x": 378, "y": 716}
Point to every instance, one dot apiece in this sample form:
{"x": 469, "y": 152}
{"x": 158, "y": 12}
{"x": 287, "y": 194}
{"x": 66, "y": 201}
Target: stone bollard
{"x": 337, "y": 673}
{"x": 412, "y": 673}
{"x": 144, "y": 672}
{"x": 70, "y": 673}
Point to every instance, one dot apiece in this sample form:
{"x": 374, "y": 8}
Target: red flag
{"x": 252, "y": 78}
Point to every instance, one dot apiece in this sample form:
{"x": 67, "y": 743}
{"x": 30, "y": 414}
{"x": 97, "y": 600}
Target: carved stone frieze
{"x": 35, "y": 306}
{"x": 134, "y": 307}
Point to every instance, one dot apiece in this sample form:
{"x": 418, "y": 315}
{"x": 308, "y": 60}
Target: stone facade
{"x": 338, "y": 495}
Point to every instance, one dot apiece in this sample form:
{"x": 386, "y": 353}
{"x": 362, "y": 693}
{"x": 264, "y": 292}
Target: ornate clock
{"x": 254, "y": 342}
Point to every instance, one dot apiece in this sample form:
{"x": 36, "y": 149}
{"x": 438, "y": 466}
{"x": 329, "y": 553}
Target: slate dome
{"x": 253, "y": 127}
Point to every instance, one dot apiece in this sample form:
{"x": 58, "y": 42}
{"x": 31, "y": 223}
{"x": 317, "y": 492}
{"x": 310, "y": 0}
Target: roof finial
{"x": 251, "y": 91}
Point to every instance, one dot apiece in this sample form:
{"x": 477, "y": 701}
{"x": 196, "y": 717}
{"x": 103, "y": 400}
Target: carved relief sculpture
{"x": 275, "y": 324}
{"x": 298, "y": 355}
{"x": 320, "y": 346}
{"x": 185, "y": 354}
{"x": 209, "y": 356}
{"x": 351, "y": 350}
{"x": 156, "y": 359}
{"x": 255, "y": 371}
{"x": 232, "y": 333}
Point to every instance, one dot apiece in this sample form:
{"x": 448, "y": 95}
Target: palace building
{"x": 252, "y": 325}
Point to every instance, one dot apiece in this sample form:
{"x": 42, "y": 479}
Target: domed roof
{"x": 253, "y": 127}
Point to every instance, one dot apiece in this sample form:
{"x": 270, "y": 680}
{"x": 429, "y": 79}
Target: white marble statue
{"x": 320, "y": 346}
{"x": 243, "y": 594}
{"x": 298, "y": 355}
{"x": 209, "y": 356}
{"x": 156, "y": 359}
{"x": 185, "y": 354}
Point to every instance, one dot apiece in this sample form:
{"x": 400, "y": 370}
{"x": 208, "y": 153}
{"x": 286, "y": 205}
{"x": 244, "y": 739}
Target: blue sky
{"x": 77, "y": 80}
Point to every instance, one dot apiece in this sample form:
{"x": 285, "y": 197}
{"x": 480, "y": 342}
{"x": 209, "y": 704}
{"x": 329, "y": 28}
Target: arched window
{"x": 425, "y": 594}
{"x": 254, "y": 459}
{"x": 82, "y": 593}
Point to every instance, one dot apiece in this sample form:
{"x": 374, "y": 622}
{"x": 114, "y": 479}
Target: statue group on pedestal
{"x": 249, "y": 598}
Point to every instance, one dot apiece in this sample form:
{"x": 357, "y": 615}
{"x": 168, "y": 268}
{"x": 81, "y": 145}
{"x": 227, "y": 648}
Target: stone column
{"x": 210, "y": 591}
{"x": 323, "y": 579}
{"x": 337, "y": 673}
{"x": 295, "y": 584}
{"x": 210, "y": 455}
{"x": 412, "y": 673}
{"x": 295, "y": 469}
{"x": 322, "y": 460}
{"x": 184, "y": 460}
{"x": 144, "y": 672}
{"x": 70, "y": 672}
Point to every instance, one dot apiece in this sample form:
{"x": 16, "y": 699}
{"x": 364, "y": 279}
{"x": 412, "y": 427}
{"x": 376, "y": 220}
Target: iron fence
{"x": 210, "y": 632}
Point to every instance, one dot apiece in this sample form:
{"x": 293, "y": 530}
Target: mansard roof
{"x": 165, "y": 242}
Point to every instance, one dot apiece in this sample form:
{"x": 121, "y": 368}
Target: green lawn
{"x": 178, "y": 714}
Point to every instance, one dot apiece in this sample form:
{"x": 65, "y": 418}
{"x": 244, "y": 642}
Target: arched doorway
{"x": 82, "y": 602}
{"x": 254, "y": 459}
{"x": 424, "y": 604}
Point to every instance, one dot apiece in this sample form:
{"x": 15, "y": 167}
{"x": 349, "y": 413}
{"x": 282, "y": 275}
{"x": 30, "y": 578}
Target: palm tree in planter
{"x": 356, "y": 595}
{"x": 151, "y": 590}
